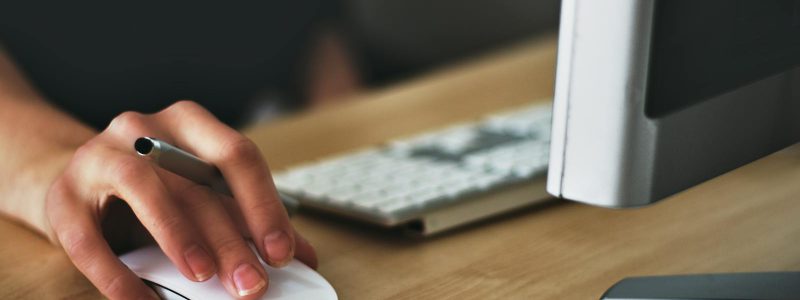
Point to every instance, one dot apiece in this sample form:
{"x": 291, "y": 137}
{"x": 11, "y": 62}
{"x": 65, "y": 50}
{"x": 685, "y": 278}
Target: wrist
{"x": 29, "y": 192}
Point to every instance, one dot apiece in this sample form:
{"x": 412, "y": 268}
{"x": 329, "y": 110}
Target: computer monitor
{"x": 653, "y": 97}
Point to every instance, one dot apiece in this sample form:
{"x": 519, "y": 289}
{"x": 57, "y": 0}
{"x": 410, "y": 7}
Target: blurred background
{"x": 249, "y": 61}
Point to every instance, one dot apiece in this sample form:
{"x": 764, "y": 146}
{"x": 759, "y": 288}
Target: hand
{"x": 202, "y": 232}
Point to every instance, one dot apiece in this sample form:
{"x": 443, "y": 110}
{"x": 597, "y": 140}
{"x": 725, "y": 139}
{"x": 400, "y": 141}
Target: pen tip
{"x": 143, "y": 145}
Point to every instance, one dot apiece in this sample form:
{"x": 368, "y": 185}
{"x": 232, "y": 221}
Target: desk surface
{"x": 746, "y": 220}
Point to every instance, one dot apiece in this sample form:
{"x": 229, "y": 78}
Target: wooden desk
{"x": 747, "y": 220}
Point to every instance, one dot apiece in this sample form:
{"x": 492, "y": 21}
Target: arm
{"x": 59, "y": 177}
{"x": 36, "y": 143}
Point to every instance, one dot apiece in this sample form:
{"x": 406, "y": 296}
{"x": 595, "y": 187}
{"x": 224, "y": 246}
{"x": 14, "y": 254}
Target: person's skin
{"x": 60, "y": 178}
{"x": 332, "y": 74}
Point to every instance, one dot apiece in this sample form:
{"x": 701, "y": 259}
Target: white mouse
{"x": 294, "y": 281}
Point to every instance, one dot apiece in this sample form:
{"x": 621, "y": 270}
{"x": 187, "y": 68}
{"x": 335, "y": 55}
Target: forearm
{"x": 36, "y": 142}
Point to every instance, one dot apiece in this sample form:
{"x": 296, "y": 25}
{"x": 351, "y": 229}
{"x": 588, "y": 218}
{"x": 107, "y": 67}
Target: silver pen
{"x": 191, "y": 167}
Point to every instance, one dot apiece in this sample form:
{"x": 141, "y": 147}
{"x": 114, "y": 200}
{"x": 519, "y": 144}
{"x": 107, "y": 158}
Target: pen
{"x": 191, "y": 167}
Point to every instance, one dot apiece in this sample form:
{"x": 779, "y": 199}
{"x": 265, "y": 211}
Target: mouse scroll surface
{"x": 295, "y": 281}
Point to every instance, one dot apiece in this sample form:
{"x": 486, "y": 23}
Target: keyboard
{"x": 404, "y": 179}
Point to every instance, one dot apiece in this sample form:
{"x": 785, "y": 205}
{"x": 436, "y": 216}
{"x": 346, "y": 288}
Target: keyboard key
{"x": 409, "y": 175}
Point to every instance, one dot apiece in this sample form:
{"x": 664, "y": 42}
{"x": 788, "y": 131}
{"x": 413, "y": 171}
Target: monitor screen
{"x": 701, "y": 49}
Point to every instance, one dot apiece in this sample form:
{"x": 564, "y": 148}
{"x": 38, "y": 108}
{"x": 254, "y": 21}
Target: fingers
{"x": 105, "y": 168}
{"x": 245, "y": 171}
{"x": 78, "y": 232}
{"x": 125, "y": 128}
{"x": 135, "y": 181}
{"x": 305, "y": 252}
{"x": 239, "y": 268}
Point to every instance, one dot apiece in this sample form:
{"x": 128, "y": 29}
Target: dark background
{"x": 701, "y": 49}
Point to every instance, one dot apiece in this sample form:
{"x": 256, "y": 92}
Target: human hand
{"x": 202, "y": 232}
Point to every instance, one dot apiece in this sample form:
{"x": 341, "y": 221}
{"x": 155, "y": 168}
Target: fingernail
{"x": 278, "y": 247}
{"x": 199, "y": 262}
{"x": 247, "y": 280}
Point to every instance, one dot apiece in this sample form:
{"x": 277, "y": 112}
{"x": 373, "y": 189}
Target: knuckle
{"x": 230, "y": 246}
{"x": 61, "y": 194}
{"x": 266, "y": 208}
{"x": 84, "y": 152}
{"x": 58, "y": 193}
{"x": 128, "y": 120}
{"x": 241, "y": 149}
{"x": 165, "y": 224}
{"x": 114, "y": 285}
{"x": 183, "y": 106}
{"x": 76, "y": 244}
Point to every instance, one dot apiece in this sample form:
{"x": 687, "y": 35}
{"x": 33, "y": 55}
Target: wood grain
{"x": 746, "y": 220}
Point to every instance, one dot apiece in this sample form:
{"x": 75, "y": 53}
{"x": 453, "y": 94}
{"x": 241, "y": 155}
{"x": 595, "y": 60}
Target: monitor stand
{"x": 761, "y": 286}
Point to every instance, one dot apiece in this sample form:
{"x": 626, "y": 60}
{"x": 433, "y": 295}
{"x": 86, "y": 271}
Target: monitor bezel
{"x": 605, "y": 151}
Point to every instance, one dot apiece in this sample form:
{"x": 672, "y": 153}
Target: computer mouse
{"x": 294, "y": 281}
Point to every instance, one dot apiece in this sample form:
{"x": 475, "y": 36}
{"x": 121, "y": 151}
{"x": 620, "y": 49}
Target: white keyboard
{"x": 404, "y": 178}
